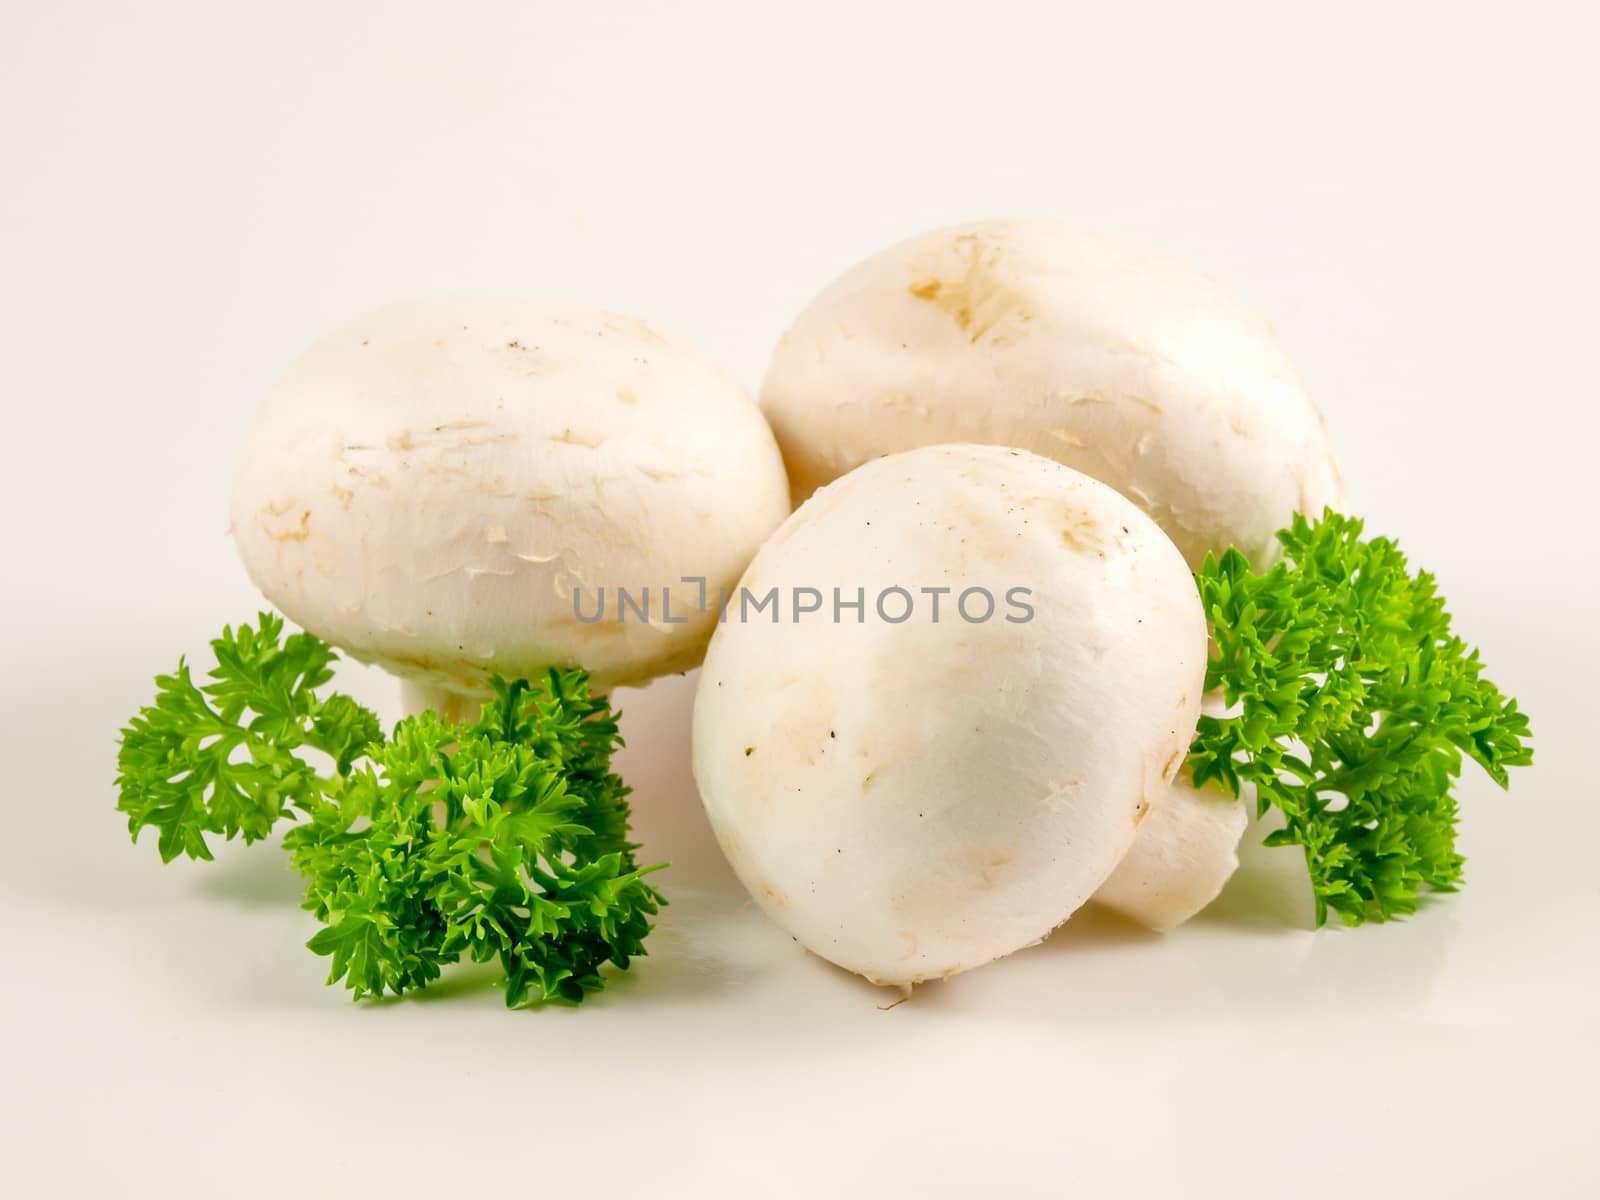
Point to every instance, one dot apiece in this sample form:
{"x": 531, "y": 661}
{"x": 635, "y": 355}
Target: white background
{"x": 190, "y": 193}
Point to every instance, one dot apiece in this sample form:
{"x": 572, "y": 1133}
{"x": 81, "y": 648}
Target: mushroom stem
{"x": 1186, "y": 850}
{"x": 454, "y": 706}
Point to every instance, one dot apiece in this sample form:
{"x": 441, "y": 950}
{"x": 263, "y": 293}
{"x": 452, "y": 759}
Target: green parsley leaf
{"x": 1351, "y": 707}
{"x": 504, "y": 839}
{"x": 219, "y": 758}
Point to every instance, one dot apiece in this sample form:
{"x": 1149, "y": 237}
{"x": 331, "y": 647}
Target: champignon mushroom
{"x": 946, "y": 693}
{"x": 1130, "y": 367}
{"x": 454, "y": 489}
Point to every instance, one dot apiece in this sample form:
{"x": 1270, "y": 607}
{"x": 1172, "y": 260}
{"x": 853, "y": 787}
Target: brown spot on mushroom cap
{"x": 990, "y": 862}
{"x": 462, "y": 424}
{"x": 434, "y": 664}
{"x": 297, "y": 532}
{"x": 1083, "y": 533}
{"x": 963, "y": 281}
{"x": 568, "y": 438}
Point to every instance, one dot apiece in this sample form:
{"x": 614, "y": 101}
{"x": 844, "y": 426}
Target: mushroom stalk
{"x": 451, "y": 705}
{"x": 1187, "y": 849}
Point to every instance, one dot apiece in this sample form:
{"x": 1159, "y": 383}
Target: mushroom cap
{"x": 1130, "y": 367}
{"x": 429, "y": 486}
{"x": 918, "y": 798}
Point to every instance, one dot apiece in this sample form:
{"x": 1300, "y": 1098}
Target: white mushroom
{"x": 912, "y": 794}
{"x": 1132, "y": 368}
{"x": 454, "y": 489}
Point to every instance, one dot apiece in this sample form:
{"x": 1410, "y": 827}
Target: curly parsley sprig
{"x": 1352, "y": 707}
{"x": 505, "y": 838}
